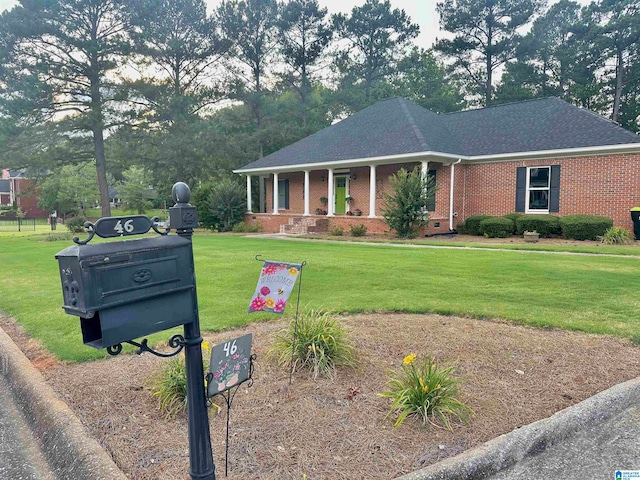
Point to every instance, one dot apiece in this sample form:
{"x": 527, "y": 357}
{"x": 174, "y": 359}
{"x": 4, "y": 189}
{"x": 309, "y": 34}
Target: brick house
{"x": 15, "y": 187}
{"x": 536, "y": 156}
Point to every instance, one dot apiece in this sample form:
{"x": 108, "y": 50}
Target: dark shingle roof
{"x": 398, "y": 126}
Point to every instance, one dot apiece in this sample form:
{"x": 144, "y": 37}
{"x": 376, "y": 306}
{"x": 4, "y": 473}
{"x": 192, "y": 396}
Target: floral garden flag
{"x": 274, "y": 287}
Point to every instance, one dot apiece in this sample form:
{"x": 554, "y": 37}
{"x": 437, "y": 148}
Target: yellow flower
{"x": 425, "y": 389}
{"x": 409, "y": 359}
{"x": 205, "y": 345}
{"x": 270, "y": 302}
{"x": 293, "y": 271}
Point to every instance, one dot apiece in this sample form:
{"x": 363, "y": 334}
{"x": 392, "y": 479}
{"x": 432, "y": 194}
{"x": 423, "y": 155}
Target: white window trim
{"x": 528, "y": 190}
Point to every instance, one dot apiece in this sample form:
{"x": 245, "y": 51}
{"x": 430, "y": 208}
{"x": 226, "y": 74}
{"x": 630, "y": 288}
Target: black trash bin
{"x": 635, "y": 218}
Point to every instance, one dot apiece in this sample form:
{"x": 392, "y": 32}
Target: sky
{"x": 422, "y": 12}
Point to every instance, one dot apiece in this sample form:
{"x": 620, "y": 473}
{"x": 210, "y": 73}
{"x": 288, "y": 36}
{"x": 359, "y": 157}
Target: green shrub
{"x": 585, "y": 227}
{"x": 76, "y": 224}
{"x": 513, "y": 217}
{"x": 617, "y": 236}
{"x": 405, "y": 209}
{"x": 426, "y": 390}
{"x": 227, "y": 203}
{"x": 337, "y": 231}
{"x": 472, "y": 224}
{"x": 358, "y": 230}
{"x": 243, "y": 227}
{"x": 460, "y": 228}
{"x": 496, "y": 227}
{"x": 319, "y": 344}
{"x": 545, "y": 225}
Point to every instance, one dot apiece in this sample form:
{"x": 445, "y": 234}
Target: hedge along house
{"x": 537, "y": 156}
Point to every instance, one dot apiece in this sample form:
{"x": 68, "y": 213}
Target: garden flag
{"x": 274, "y": 287}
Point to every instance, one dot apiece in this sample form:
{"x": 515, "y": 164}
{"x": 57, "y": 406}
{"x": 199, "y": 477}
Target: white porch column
{"x": 330, "y": 206}
{"x": 248, "y": 193}
{"x": 306, "y": 193}
{"x": 372, "y": 191}
{"x": 425, "y": 169}
{"x": 275, "y": 194}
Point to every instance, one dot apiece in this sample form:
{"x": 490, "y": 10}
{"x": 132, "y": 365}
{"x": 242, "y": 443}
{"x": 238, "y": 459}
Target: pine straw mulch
{"x": 336, "y": 429}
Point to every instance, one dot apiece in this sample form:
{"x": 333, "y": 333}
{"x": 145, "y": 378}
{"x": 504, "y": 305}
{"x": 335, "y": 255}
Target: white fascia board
{"x": 353, "y": 162}
{"x": 563, "y": 152}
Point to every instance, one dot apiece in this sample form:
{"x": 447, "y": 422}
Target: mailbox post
{"x": 125, "y": 290}
{"x": 183, "y": 218}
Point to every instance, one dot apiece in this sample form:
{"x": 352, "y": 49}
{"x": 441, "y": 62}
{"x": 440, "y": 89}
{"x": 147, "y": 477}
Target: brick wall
{"x": 606, "y": 185}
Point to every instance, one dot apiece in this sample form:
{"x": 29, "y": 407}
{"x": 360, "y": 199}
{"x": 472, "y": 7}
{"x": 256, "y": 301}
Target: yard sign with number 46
{"x": 230, "y": 364}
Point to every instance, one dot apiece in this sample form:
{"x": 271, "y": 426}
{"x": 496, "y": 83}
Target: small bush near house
{"x": 358, "y": 230}
{"x": 585, "y": 227}
{"x": 76, "y": 224}
{"x": 405, "y": 209}
{"x": 513, "y": 217}
{"x": 472, "y": 224}
{"x": 428, "y": 391}
{"x": 243, "y": 227}
{"x": 337, "y": 231}
{"x": 617, "y": 236}
{"x": 496, "y": 227}
{"x": 319, "y": 344}
{"x": 460, "y": 228}
{"x": 227, "y": 203}
{"x": 545, "y": 225}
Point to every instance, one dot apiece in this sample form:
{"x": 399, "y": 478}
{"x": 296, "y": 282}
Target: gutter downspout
{"x": 451, "y": 194}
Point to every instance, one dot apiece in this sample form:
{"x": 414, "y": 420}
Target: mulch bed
{"x": 338, "y": 429}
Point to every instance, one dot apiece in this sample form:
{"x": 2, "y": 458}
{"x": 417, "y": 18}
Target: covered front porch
{"x": 321, "y": 199}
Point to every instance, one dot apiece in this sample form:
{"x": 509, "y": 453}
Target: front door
{"x": 341, "y": 194}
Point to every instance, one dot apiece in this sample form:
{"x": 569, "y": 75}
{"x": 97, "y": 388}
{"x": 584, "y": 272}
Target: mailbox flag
{"x": 274, "y": 287}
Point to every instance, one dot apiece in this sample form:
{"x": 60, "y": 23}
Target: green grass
{"x": 596, "y": 294}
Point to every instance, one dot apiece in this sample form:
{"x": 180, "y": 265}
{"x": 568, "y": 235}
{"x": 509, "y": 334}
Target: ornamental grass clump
{"x": 616, "y": 236}
{"x": 169, "y": 385}
{"x": 318, "y": 343}
{"x": 427, "y": 390}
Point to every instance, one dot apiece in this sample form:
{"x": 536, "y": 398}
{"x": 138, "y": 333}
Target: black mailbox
{"x": 126, "y": 290}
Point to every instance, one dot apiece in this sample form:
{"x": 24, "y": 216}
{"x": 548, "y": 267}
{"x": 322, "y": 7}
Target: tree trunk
{"x": 619, "y": 84}
{"x": 98, "y": 145}
{"x": 101, "y": 170}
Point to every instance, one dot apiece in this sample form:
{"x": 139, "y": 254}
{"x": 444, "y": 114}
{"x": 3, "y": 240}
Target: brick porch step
{"x": 305, "y": 225}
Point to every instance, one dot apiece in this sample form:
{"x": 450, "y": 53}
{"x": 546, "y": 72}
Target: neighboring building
{"x": 15, "y": 187}
{"x": 536, "y": 156}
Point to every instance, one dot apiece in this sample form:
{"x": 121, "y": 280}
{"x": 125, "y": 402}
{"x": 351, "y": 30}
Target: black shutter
{"x": 521, "y": 188}
{"x": 286, "y": 193}
{"x": 554, "y": 193}
{"x": 431, "y": 201}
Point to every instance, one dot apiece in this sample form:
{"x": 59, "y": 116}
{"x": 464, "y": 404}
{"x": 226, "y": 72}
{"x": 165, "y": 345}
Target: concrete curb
{"x": 508, "y": 449}
{"x": 65, "y": 443}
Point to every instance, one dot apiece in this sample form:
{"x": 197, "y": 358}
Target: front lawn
{"x": 596, "y": 294}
